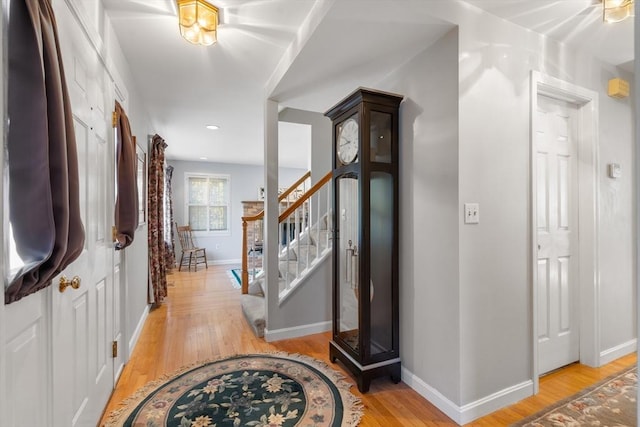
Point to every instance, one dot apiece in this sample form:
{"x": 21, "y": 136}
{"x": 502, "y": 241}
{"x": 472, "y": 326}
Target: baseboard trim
{"x": 296, "y": 331}
{"x": 613, "y": 353}
{"x": 495, "y": 401}
{"x": 471, "y": 411}
{"x": 136, "y": 333}
{"x": 224, "y": 261}
{"x": 450, "y": 409}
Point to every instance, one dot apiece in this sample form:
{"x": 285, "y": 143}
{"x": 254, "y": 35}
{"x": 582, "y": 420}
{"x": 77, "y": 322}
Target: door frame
{"x": 4, "y": 221}
{"x": 586, "y": 102}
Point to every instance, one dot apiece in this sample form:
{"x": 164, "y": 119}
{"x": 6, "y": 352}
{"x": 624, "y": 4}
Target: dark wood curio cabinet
{"x": 365, "y": 235}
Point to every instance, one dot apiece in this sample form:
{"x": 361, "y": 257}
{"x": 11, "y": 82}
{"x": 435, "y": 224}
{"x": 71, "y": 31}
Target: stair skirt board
{"x": 292, "y": 259}
{"x": 296, "y": 331}
{"x": 285, "y": 294}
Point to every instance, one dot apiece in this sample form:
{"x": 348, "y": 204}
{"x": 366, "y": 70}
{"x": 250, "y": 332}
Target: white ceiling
{"x": 187, "y": 87}
{"x": 577, "y": 23}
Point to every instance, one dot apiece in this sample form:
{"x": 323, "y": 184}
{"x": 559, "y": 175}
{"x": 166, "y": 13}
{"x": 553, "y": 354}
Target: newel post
{"x": 245, "y": 251}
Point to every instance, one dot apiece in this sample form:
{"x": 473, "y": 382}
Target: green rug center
{"x": 241, "y": 396}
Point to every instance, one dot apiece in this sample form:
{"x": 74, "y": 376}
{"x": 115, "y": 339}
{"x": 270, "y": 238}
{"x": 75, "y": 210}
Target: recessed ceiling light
{"x": 203, "y": 158}
{"x": 213, "y": 127}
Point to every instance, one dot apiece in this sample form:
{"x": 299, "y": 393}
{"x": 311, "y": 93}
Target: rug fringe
{"x": 353, "y": 406}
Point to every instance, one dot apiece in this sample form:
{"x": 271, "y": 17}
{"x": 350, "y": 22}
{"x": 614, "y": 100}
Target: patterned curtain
{"x": 43, "y": 179}
{"x": 157, "y": 267}
{"x": 169, "y": 236}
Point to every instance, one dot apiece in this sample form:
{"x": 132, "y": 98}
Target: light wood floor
{"x": 201, "y": 319}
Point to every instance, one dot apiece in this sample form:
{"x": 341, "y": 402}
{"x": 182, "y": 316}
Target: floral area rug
{"x": 610, "y": 403}
{"x": 258, "y": 390}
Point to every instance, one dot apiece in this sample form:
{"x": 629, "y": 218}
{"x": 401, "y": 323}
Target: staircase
{"x": 305, "y": 244}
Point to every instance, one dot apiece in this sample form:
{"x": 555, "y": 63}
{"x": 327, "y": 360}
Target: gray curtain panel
{"x": 44, "y": 198}
{"x": 126, "y": 212}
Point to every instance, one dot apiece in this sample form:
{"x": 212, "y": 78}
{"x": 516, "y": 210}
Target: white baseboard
{"x": 613, "y": 353}
{"x": 136, "y": 333}
{"x": 224, "y": 261}
{"x": 431, "y": 394}
{"x": 296, "y": 331}
{"x": 495, "y": 401}
{"x": 471, "y": 411}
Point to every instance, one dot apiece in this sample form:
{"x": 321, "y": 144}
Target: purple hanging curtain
{"x": 44, "y": 197}
{"x": 157, "y": 267}
{"x": 169, "y": 236}
{"x": 126, "y": 211}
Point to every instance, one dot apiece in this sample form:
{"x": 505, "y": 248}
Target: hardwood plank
{"x": 201, "y": 319}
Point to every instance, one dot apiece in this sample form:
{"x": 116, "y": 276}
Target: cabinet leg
{"x": 363, "y": 383}
{"x": 396, "y": 375}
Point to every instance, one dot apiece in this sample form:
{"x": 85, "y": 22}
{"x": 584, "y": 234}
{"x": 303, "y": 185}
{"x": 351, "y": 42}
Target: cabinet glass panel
{"x": 381, "y": 234}
{"x": 380, "y": 137}
{"x": 348, "y": 255}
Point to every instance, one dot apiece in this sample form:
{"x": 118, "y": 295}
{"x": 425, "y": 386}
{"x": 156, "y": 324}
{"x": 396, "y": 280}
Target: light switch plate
{"x": 471, "y": 213}
{"x": 615, "y": 171}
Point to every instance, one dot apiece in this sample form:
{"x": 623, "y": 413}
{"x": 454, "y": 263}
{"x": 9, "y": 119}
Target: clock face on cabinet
{"x": 348, "y": 141}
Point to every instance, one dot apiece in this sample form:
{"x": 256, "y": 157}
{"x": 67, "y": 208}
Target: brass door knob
{"x": 65, "y": 283}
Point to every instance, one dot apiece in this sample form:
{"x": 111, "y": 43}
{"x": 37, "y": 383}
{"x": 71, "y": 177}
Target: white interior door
{"x": 82, "y": 318}
{"x": 557, "y": 229}
{"x": 56, "y": 346}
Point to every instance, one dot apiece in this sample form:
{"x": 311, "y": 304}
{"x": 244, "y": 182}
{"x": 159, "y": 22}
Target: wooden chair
{"x": 195, "y": 254}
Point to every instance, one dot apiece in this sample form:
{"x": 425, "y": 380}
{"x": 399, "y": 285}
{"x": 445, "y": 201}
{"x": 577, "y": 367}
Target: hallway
{"x": 201, "y": 319}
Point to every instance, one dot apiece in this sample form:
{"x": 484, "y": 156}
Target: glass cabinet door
{"x": 380, "y": 137}
{"x": 381, "y": 263}
{"x": 348, "y": 281}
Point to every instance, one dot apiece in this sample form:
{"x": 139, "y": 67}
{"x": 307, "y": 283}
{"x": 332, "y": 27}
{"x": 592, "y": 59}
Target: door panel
{"x": 57, "y": 350}
{"x": 543, "y": 299}
{"x": 556, "y": 216}
{"x": 26, "y": 362}
{"x": 83, "y": 318}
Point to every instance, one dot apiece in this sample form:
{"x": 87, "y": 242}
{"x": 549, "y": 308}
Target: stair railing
{"x": 251, "y": 247}
{"x": 304, "y": 234}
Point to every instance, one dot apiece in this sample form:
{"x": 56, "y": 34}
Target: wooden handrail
{"x": 281, "y": 197}
{"x": 245, "y": 250}
{"x": 256, "y": 217}
{"x": 317, "y": 186}
{"x": 293, "y": 186}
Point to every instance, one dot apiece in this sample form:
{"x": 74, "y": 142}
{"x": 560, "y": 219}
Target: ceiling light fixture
{"x": 213, "y": 127}
{"x": 616, "y": 10}
{"x": 198, "y": 21}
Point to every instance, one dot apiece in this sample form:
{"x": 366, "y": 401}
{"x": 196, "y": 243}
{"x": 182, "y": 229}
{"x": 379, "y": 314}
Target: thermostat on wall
{"x": 615, "y": 171}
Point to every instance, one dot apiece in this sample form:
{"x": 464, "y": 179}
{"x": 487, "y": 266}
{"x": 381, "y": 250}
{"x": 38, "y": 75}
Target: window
{"x": 207, "y": 202}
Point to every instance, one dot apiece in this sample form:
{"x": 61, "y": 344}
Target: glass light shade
{"x": 198, "y": 21}
{"x": 617, "y": 10}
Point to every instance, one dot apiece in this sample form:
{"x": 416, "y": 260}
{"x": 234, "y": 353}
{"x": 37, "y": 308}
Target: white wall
{"x": 616, "y": 222}
{"x": 135, "y": 258}
{"x": 466, "y": 289}
{"x": 496, "y": 59}
{"x": 429, "y": 282}
{"x": 320, "y": 138}
{"x": 245, "y": 181}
